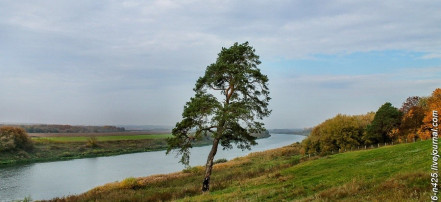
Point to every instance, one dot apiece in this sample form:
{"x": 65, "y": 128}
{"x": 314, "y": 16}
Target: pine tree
{"x": 230, "y": 101}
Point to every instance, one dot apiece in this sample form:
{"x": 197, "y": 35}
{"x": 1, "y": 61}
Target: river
{"x": 62, "y": 178}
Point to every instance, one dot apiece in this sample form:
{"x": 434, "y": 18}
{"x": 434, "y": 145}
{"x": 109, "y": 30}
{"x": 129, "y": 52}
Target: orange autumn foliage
{"x": 433, "y": 104}
{"x": 411, "y": 123}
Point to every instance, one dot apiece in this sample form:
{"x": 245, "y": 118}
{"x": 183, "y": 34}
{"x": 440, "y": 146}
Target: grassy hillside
{"x": 391, "y": 173}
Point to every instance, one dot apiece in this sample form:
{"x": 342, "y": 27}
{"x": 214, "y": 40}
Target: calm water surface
{"x": 62, "y": 178}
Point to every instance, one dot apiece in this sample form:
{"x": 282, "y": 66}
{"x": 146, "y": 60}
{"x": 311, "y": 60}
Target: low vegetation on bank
{"x": 392, "y": 173}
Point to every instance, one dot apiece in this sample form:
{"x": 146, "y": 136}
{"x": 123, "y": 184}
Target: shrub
{"x": 12, "y": 138}
{"x": 92, "y": 142}
{"x": 67, "y": 154}
{"x": 193, "y": 170}
{"x": 129, "y": 183}
{"x": 23, "y": 154}
{"x": 27, "y": 199}
{"x": 223, "y": 160}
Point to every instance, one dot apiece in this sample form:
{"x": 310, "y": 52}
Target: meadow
{"x": 390, "y": 173}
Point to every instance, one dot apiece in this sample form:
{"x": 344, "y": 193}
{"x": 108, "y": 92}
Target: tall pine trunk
{"x": 209, "y": 166}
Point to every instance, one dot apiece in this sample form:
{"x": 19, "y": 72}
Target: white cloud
{"x": 432, "y": 56}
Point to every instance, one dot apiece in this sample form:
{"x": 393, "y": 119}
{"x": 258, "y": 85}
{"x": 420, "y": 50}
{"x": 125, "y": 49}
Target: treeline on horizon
{"x": 411, "y": 122}
{"x": 54, "y": 128}
{"x": 304, "y": 131}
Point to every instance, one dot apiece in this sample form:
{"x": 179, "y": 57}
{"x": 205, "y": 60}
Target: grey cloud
{"x": 85, "y": 61}
{"x": 283, "y": 28}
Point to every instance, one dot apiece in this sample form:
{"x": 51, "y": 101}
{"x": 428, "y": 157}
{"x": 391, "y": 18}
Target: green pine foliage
{"x": 386, "y": 119}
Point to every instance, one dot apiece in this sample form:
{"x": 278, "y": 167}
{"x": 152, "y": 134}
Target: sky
{"x": 136, "y": 62}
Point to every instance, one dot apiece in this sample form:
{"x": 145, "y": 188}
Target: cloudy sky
{"x": 136, "y": 62}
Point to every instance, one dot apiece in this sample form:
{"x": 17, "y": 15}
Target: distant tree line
{"x": 263, "y": 134}
{"x": 304, "y": 131}
{"x": 52, "y": 128}
{"x": 411, "y": 122}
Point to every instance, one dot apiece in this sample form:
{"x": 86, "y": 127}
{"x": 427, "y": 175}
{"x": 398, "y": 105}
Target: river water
{"x": 62, "y": 178}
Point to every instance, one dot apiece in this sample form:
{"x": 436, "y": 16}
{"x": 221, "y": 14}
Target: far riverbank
{"x": 59, "y": 147}
{"x": 50, "y": 147}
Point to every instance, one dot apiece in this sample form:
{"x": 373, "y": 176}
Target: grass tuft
{"x": 193, "y": 170}
{"x": 92, "y": 142}
{"x": 129, "y": 183}
{"x": 223, "y": 160}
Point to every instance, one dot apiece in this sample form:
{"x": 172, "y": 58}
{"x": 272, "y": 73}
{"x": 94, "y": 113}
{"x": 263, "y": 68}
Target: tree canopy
{"x": 386, "y": 119}
{"x": 411, "y": 123}
{"x": 410, "y": 102}
{"x": 339, "y": 132}
{"x": 433, "y": 103}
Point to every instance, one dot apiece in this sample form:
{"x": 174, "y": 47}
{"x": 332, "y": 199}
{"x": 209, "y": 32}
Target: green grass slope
{"x": 391, "y": 173}
{"x": 376, "y": 174}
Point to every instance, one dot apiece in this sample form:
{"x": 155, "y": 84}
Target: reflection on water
{"x": 62, "y": 178}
